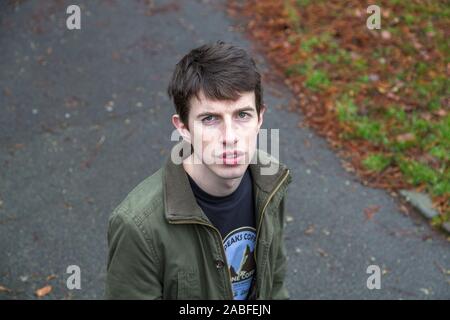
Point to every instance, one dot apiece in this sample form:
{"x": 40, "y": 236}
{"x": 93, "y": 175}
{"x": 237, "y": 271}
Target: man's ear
{"x": 181, "y": 127}
{"x": 261, "y": 115}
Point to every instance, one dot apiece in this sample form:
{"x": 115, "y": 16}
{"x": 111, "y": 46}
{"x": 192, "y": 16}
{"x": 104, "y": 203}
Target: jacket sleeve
{"x": 132, "y": 269}
{"x": 279, "y": 291}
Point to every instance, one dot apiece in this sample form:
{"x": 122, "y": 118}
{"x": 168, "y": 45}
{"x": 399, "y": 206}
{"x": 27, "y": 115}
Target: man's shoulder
{"x": 271, "y": 169}
{"x": 145, "y": 200}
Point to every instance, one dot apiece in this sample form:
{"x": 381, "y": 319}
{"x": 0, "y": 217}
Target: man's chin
{"x": 229, "y": 171}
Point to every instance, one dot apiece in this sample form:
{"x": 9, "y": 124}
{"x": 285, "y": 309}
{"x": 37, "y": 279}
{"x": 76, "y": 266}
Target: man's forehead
{"x": 247, "y": 99}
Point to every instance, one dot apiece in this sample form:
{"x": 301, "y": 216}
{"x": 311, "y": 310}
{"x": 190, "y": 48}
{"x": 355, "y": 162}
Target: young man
{"x": 209, "y": 223}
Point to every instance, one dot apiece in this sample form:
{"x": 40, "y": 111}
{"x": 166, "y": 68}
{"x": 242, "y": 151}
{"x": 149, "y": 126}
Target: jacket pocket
{"x": 188, "y": 285}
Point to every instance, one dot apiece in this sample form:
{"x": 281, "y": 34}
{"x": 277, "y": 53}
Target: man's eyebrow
{"x": 208, "y": 113}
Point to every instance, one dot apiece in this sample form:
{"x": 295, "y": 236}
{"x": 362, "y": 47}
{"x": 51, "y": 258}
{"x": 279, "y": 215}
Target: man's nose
{"x": 229, "y": 135}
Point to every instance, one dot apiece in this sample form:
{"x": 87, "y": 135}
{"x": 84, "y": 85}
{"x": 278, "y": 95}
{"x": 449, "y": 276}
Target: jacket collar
{"x": 180, "y": 202}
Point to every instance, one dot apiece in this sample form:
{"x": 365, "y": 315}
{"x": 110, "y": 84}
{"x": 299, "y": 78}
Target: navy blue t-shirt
{"x": 233, "y": 215}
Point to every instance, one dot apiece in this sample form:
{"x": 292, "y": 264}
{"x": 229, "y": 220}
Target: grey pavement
{"x": 84, "y": 117}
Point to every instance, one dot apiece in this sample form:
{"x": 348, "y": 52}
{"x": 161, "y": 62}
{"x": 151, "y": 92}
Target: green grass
{"x": 397, "y": 113}
{"x": 377, "y": 162}
{"x": 346, "y": 109}
{"x": 322, "y": 39}
{"x": 417, "y": 172}
{"x": 434, "y": 139}
{"x": 409, "y": 19}
{"x": 439, "y": 152}
{"x": 334, "y": 55}
{"x": 442, "y": 186}
{"x": 308, "y": 44}
{"x": 303, "y": 3}
{"x": 363, "y": 79}
{"x": 360, "y": 64}
{"x": 369, "y": 130}
{"x": 317, "y": 80}
{"x": 297, "y": 69}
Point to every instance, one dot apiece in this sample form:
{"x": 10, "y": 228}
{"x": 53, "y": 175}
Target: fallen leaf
{"x": 18, "y": 146}
{"x": 406, "y": 137}
{"x": 51, "y": 277}
{"x": 115, "y": 55}
{"x": 441, "y": 113}
{"x": 425, "y": 290}
{"x": 404, "y": 209}
{"x": 386, "y": 35}
{"x": 72, "y": 102}
{"x": 307, "y": 143}
{"x": 67, "y": 205}
{"x": 426, "y": 116}
{"x": 374, "y": 77}
{"x": 442, "y": 269}
{"x": 90, "y": 200}
{"x": 322, "y": 252}
{"x": 309, "y": 230}
{"x": 43, "y": 291}
{"x": 4, "y": 289}
{"x": 358, "y": 13}
{"x": 370, "y": 211}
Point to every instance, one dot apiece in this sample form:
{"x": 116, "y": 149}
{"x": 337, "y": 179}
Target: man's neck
{"x": 208, "y": 181}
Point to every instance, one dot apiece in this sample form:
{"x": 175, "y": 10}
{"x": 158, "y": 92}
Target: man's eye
{"x": 208, "y": 119}
{"x": 243, "y": 115}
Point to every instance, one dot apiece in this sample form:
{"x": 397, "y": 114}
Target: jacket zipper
{"x": 261, "y": 218}
{"x": 221, "y": 247}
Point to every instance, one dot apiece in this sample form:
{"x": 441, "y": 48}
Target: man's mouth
{"x": 231, "y": 157}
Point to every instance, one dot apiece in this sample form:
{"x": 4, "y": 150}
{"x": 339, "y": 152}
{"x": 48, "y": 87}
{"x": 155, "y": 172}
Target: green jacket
{"x": 162, "y": 245}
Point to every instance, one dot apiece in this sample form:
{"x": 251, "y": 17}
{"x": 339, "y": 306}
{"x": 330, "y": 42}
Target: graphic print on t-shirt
{"x": 239, "y": 248}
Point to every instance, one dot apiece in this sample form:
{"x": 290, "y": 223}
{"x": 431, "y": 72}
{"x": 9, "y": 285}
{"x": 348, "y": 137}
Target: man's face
{"x": 224, "y": 133}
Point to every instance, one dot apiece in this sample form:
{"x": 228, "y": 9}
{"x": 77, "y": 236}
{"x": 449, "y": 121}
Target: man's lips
{"x": 231, "y": 157}
{"x": 231, "y": 154}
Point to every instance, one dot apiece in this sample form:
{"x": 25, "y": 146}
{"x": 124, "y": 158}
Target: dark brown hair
{"x": 220, "y": 70}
